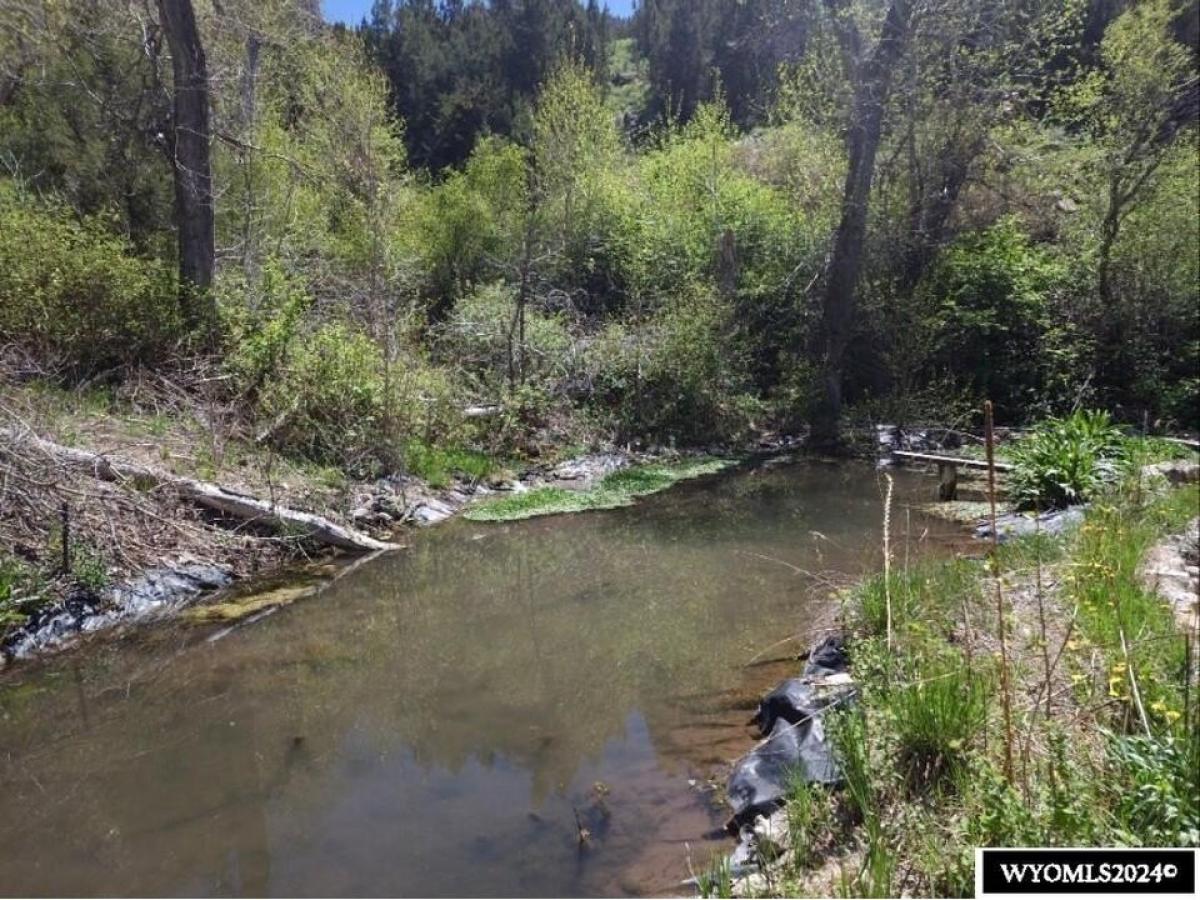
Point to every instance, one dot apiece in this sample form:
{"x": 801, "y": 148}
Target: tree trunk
{"x": 189, "y": 143}
{"x": 841, "y": 276}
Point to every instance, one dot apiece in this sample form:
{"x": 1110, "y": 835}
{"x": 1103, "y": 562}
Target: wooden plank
{"x": 950, "y": 460}
{"x": 1187, "y": 442}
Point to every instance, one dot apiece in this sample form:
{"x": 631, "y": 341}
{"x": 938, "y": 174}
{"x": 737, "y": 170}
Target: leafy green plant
{"x": 1158, "y": 802}
{"x": 993, "y": 292}
{"x": 1065, "y": 461}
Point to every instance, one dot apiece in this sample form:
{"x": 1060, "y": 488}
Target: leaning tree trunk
{"x": 189, "y": 145}
{"x": 242, "y": 507}
{"x": 841, "y": 275}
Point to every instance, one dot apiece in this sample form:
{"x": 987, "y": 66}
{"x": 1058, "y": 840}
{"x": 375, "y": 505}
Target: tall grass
{"x": 923, "y": 785}
{"x": 938, "y": 715}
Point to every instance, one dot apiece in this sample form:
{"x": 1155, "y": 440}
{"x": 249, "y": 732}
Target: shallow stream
{"x": 444, "y": 720}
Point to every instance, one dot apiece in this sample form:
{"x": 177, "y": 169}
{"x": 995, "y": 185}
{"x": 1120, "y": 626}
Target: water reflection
{"x": 440, "y": 721}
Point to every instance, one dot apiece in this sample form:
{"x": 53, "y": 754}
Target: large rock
{"x": 1172, "y": 570}
{"x": 1175, "y": 471}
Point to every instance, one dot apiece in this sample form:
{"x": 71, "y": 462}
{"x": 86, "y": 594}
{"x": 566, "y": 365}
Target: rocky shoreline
{"x": 385, "y": 508}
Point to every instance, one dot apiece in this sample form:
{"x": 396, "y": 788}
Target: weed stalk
{"x": 1005, "y": 690}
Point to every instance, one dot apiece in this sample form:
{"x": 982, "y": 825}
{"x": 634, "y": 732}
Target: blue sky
{"x": 353, "y": 11}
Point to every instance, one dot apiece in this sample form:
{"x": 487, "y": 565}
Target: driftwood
{"x": 203, "y": 493}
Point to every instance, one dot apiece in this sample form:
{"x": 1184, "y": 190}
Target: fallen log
{"x": 202, "y": 493}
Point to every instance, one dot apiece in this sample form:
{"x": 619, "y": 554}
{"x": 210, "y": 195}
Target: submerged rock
{"x": 241, "y": 607}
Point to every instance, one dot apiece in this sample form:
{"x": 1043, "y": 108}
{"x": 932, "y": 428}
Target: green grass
{"x": 615, "y": 490}
{"x": 438, "y": 466}
{"x": 940, "y": 709}
{"x": 927, "y": 592}
{"x": 923, "y": 752}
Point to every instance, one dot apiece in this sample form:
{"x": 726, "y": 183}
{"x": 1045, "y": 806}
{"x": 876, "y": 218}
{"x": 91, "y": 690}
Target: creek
{"x": 443, "y": 720}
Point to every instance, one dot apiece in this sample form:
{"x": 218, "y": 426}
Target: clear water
{"x": 442, "y": 721}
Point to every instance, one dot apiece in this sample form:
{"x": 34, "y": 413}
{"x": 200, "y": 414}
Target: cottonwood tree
{"x": 872, "y": 73}
{"x": 190, "y": 152}
{"x": 1133, "y": 106}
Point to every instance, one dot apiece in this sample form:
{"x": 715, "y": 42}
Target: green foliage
{"x": 75, "y": 295}
{"x": 618, "y": 489}
{"x": 995, "y": 322}
{"x": 1158, "y": 794}
{"x": 438, "y": 466}
{"x": 1065, "y": 461}
{"x": 20, "y": 589}
{"x": 471, "y": 222}
{"x": 481, "y": 335}
{"x": 675, "y": 377}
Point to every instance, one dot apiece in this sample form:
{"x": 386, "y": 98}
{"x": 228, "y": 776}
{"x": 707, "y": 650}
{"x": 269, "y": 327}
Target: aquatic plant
{"x": 614, "y": 490}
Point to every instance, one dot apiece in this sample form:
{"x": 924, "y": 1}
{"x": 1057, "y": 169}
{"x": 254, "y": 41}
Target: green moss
{"x": 233, "y": 610}
{"x": 615, "y": 490}
{"x": 964, "y": 511}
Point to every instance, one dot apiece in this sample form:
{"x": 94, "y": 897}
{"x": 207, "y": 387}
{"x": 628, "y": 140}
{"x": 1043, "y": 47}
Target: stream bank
{"x": 140, "y": 537}
{"x": 1098, "y": 615}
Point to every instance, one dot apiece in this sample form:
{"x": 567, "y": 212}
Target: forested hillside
{"x": 712, "y": 220}
{"x": 275, "y": 291}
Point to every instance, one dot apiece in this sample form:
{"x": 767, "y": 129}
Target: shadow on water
{"x": 442, "y": 721}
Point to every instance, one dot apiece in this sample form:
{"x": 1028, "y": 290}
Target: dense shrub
{"x": 467, "y": 225}
{"x": 324, "y": 389}
{"x": 994, "y": 318}
{"x": 677, "y": 377}
{"x": 482, "y": 337}
{"x": 72, "y": 292}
